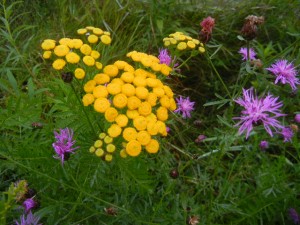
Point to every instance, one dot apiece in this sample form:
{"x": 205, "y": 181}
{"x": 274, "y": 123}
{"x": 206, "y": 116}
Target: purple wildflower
{"x": 29, "y": 204}
{"x": 30, "y": 219}
{"x": 258, "y": 110}
{"x": 64, "y": 144}
{"x": 285, "y": 72}
{"x": 297, "y": 118}
{"x": 294, "y": 216}
{"x": 185, "y": 106}
{"x": 264, "y": 145}
{"x": 287, "y": 134}
{"x": 164, "y": 57}
{"x": 200, "y": 138}
{"x": 244, "y": 53}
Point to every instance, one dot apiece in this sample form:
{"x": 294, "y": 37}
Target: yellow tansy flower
{"x": 95, "y": 54}
{"x": 79, "y": 73}
{"x": 100, "y": 91}
{"x": 72, "y": 57}
{"x": 132, "y": 114}
{"x": 143, "y": 137}
{"x": 105, "y": 39}
{"x": 162, "y": 113}
{"x": 139, "y": 81}
{"x": 101, "y": 78}
{"x": 145, "y": 109}
{"x": 61, "y": 50}
{"x": 85, "y": 49}
{"x": 111, "y": 70}
{"x": 152, "y": 98}
{"x": 108, "y": 157}
{"x": 120, "y": 101}
{"x": 168, "y": 91}
{"x": 47, "y": 54}
{"x": 181, "y": 46}
{"x": 98, "y": 65}
{"x": 110, "y": 148}
{"x": 165, "y": 70}
{"x": 123, "y": 153}
{"x": 77, "y": 43}
{"x": 152, "y": 128}
{"x": 117, "y": 81}
{"x": 48, "y": 44}
{"x": 101, "y": 104}
{"x": 110, "y": 114}
{"x": 128, "y": 89}
{"x": 65, "y": 41}
{"x": 127, "y": 77}
{"x": 114, "y": 88}
{"x": 201, "y": 49}
{"x": 92, "y": 149}
{"x": 153, "y": 146}
{"x": 99, "y": 152}
{"x": 191, "y": 44}
{"x": 133, "y": 148}
{"x": 133, "y": 102}
{"x": 142, "y": 92}
{"x": 151, "y": 82}
{"x": 159, "y": 92}
{"x": 88, "y": 99}
{"x": 89, "y": 86}
{"x": 81, "y": 31}
{"x": 122, "y": 120}
{"x": 120, "y": 64}
{"x": 129, "y": 133}
{"x": 165, "y": 101}
{"x": 173, "y": 105}
{"x": 140, "y": 123}
{"x": 114, "y": 130}
{"x": 92, "y": 39}
{"x": 147, "y": 62}
{"x": 98, "y": 144}
{"x": 58, "y": 64}
{"x": 97, "y": 31}
{"x": 102, "y": 135}
{"x": 108, "y": 139}
{"x": 88, "y": 60}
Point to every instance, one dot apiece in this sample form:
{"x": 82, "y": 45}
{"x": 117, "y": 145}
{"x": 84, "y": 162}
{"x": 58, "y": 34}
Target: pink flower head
{"x": 28, "y": 219}
{"x": 29, "y": 204}
{"x": 294, "y": 216}
{"x": 64, "y": 144}
{"x": 207, "y": 24}
{"x": 264, "y": 145}
{"x": 285, "y": 72}
{"x": 258, "y": 110}
{"x": 287, "y": 134}
{"x": 297, "y": 118}
{"x": 185, "y": 106}
{"x": 164, "y": 57}
{"x": 244, "y": 53}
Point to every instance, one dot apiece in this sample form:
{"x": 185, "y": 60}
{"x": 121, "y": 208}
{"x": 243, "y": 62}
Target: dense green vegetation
{"x": 224, "y": 179}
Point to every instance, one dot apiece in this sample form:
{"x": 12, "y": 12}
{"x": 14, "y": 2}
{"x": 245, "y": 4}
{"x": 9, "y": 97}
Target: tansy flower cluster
{"x": 181, "y": 42}
{"x": 134, "y": 103}
{"x": 77, "y": 54}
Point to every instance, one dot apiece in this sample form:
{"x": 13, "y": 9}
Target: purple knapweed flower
{"x": 287, "y": 134}
{"x": 294, "y": 216}
{"x": 264, "y": 145}
{"x": 297, "y": 118}
{"x": 244, "y": 53}
{"x": 64, "y": 144}
{"x": 164, "y": 57}
{"x": 200, "y": 138}
{"x": 28, "y": 219}
{"x": 184, "y": 106}
{"x": 258, "y": 110}
{"x": 285, "y": 72}
{"x": 29, "y": 204}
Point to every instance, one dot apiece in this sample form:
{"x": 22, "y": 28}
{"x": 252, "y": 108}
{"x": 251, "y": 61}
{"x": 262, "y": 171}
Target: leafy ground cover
{"x": 149, "y": 112}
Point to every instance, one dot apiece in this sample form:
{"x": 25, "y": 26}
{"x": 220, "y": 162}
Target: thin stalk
{"x": 218, "y": 75}
{"x": 83, "y": 108}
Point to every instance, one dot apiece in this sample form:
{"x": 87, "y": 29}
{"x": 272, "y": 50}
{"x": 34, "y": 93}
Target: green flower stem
{"x": 83, "y": 108}
{"x": 184, "y": 62}
{"x": 218, "y": 75}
